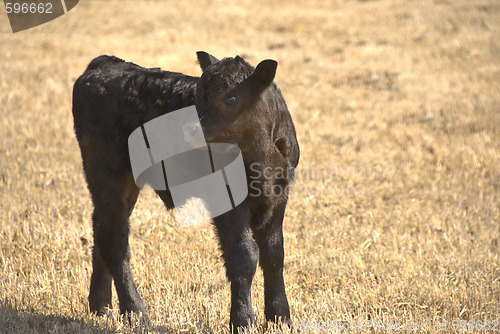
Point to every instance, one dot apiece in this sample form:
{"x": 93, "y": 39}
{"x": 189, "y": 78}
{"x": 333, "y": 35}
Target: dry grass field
{"x": 394, "y": 217}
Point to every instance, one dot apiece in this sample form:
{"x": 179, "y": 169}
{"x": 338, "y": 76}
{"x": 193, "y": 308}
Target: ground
{"x": 394, "y": 217}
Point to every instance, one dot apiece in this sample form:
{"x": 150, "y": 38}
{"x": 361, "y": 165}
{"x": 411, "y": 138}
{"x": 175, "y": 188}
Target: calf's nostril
{"x": 193, "y": 134}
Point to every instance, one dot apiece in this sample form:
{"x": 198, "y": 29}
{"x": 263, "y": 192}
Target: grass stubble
{"x": 394, "y": 217}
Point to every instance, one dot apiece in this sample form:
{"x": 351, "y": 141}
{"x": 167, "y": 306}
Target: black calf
{"x": 236, "y": 104}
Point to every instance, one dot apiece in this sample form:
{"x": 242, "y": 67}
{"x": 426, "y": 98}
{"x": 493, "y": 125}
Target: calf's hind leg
{"x": 100, "y": 283}
{"x": 113, "y": 204}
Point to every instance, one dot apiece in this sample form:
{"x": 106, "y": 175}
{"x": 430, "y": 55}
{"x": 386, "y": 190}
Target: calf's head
{"x": 227, "y": 89}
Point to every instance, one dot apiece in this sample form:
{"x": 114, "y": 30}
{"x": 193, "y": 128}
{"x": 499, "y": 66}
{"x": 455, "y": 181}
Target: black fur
{"x": 236, "y": 104}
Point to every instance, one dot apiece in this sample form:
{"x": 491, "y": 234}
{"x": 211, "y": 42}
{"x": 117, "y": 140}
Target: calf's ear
{"x": 263, "y": 75}
{"x": 205, "y": 59}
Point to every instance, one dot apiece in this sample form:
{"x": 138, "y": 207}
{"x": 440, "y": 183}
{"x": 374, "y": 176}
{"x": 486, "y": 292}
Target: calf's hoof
{"x": 137, "y": 320}
{"x": 241, "y": 325}
{"x": 284, "y": 321}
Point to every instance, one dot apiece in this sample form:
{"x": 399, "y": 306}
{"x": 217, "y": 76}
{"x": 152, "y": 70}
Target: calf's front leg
{"x": 241, "y": 255}
{"x": 270, "y": 241}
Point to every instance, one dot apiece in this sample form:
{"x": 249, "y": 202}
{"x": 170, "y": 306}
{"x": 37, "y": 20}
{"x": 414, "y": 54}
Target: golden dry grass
{"x": 395, "y": 215}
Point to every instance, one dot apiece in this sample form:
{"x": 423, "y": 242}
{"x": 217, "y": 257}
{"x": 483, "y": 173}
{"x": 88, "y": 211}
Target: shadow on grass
{"x": 27, "y": 322}
{"x": 18, "y": 321}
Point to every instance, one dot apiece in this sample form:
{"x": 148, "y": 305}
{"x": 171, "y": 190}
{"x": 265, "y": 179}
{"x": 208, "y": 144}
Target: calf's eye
{"x": 230, "y": 100}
